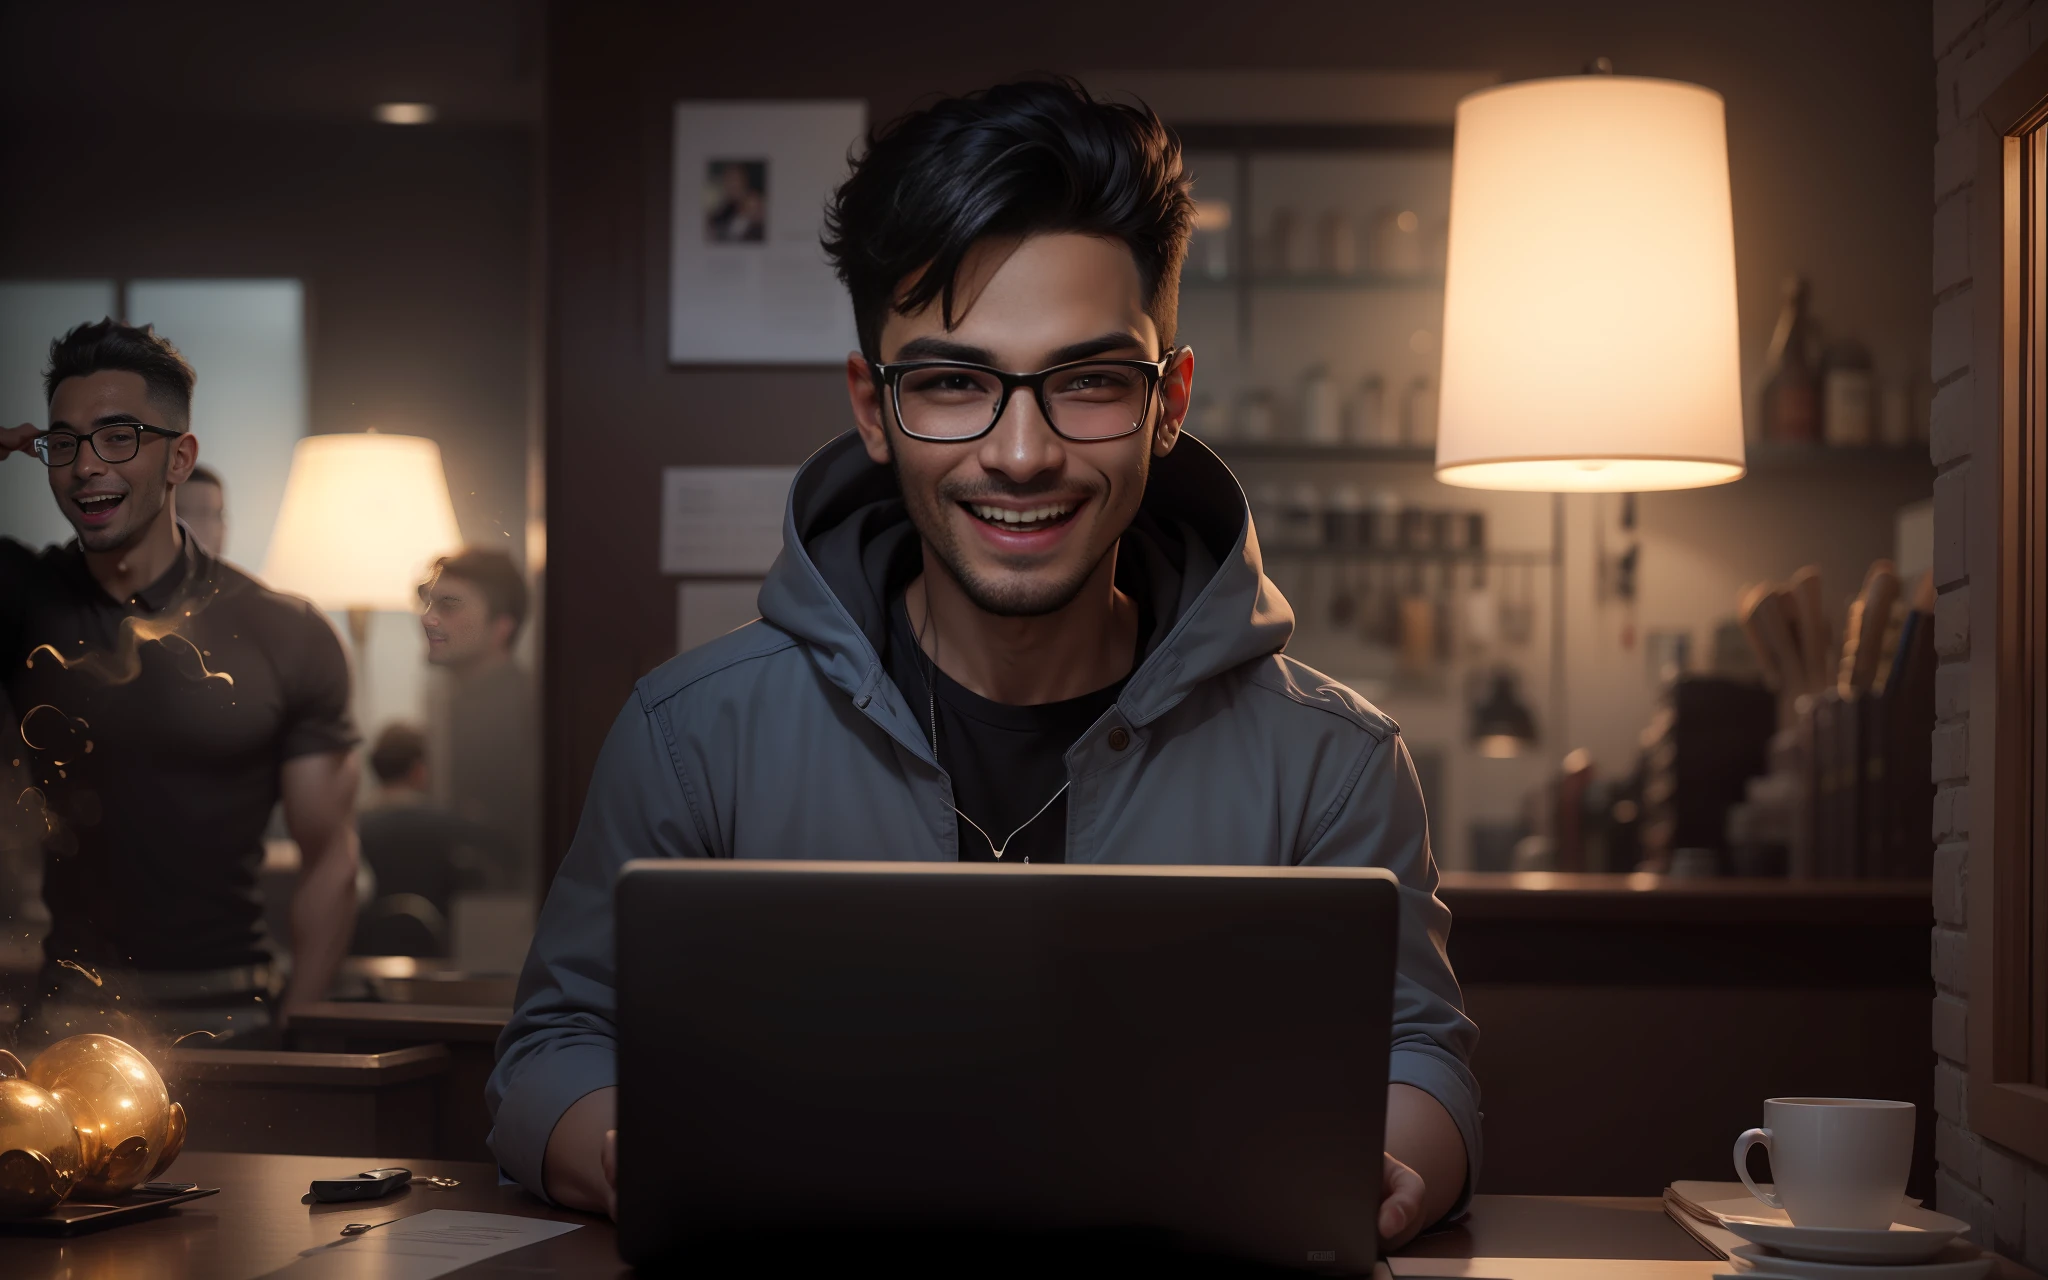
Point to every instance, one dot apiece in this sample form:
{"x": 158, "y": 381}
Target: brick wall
{"x": 1977, "y": 44}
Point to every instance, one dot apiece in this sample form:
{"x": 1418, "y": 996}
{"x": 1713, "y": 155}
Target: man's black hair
{"x": 203, "y": 474}
{"x": 109, "y": 344}
{"x": 493, "y": 572}
{"x": 1015, "y": 160}
{"x": 398, "y": 749}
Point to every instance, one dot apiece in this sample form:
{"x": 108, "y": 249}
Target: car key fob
{"x": 370, "y": 1185}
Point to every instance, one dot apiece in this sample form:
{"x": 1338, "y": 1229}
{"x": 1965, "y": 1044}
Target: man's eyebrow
{"x": 1102, "y": 346}
{"x": 936, "y": 348}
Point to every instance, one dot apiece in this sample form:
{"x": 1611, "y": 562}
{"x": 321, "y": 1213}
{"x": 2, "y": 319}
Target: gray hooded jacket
{"x": 786, "y": 739}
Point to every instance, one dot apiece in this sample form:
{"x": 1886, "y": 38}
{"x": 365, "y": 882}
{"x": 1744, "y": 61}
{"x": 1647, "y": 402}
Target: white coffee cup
{"x": 1835, "y": 1162}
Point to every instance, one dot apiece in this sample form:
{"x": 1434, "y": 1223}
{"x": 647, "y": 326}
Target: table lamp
{"x": 363, "y": 517}
{"x": 1589, "y": 307}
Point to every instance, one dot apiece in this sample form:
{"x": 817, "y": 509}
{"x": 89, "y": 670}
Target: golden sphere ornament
{"x": 126, "y": 1129}
{"x": 39, "y": 1152}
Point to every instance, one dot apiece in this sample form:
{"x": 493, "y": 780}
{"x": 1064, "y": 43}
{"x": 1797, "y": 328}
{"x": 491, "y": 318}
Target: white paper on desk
{"x": 423, "y": 1246}
{"x": 722, "y": 520}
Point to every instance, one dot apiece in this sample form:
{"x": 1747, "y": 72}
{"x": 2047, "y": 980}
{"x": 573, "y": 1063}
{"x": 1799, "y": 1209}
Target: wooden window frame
{"x": 2008, "y": 567}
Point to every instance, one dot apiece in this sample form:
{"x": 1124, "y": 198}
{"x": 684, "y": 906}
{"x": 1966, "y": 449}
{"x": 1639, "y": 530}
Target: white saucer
{"x": 1917, "y": 1235}
{"x": 1961, "y": 1260}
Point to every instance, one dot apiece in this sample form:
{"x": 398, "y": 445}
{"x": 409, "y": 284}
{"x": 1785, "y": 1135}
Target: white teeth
{"x": 1030, "y": 515}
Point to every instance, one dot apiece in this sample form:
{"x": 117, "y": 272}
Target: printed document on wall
{"x": 748, "y": 280}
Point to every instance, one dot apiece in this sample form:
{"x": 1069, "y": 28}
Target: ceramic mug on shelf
{"x": 1835, "y": 1162}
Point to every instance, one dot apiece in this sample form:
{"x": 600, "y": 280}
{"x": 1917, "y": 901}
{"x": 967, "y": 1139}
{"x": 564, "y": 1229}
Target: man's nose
{"x": 87, "y": 465}
{"x": 1022, "y": 444}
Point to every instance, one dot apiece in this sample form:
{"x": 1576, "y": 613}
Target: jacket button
{"x": 1119, "y": 738}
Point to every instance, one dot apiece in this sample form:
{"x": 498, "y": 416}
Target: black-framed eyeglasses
{"x": 950, "y": 401}
{"x": 114, "y": 442}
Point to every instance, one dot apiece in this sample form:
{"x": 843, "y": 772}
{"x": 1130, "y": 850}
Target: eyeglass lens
{"x": 1086, "y": 402}
{"x": 117, "y": 443}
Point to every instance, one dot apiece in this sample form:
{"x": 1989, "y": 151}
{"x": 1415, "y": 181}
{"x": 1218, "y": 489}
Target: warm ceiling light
{"x": 1589, "y": 312}
{"x": 405, "y": 112}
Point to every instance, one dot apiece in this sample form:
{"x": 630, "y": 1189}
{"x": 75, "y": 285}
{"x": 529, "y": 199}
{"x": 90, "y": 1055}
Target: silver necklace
{"x": 931, "y": 706}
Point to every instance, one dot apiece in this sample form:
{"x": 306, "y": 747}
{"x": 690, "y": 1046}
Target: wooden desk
{"x": 257, "y": 1225}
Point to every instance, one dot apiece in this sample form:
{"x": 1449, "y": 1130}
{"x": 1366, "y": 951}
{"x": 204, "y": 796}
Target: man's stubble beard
{"x": 940, "y": 540}
{"x": 98, "y": 540}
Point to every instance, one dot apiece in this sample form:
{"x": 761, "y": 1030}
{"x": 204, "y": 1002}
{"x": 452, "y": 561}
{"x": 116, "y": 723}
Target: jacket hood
{"x": 1213, "y": 607}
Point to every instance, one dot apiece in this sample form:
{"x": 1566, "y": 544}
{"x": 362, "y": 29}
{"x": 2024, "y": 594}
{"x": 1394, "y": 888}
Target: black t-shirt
{"x": 155, "y": 730}
{"x": 1005, "y": 761}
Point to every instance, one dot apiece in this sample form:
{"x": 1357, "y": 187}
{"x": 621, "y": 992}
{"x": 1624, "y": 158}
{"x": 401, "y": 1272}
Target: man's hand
{"x": 1425, "y": 1168}
{"x": 1401, "y": 1193}
{"x": 17, "y": 439}
{"x": 581, "y": 1165}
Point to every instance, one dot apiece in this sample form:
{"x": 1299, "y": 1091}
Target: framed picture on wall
{"x": 748, "y": 282}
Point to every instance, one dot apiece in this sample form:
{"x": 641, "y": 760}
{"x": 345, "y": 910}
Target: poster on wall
{"x": 748, "y": 282}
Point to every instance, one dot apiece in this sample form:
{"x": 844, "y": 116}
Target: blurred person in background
{"x": 203, "y": 506}
{"x": 421, "y": 854}
{"x": 168, "y": 702}
{"x": 475, "y": 604}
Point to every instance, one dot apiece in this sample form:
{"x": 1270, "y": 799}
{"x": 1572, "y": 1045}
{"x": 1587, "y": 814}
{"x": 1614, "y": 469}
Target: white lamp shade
{"x": 363, "y": 518}
{"x": 1589, "y": 309}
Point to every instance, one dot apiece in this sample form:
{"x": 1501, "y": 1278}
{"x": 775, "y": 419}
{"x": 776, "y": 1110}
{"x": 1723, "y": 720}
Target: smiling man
{"x": 1019, "y": 617}
{"x": 168, "y": 702}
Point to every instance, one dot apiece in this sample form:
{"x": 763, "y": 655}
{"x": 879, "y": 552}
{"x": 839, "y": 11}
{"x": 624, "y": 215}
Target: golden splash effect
{"x": 90, "y": 976}
{"x": 189, "y": 1034}
{"x": 63, "y": 741}
{"x": 42, "y": 807}
{"x": 124, "y": 662}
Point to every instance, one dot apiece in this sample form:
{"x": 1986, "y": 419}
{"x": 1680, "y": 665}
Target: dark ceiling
{"x": 477, "y": 61}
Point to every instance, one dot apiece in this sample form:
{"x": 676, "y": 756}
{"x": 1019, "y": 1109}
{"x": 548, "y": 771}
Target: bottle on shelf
{"x": 1366, "y": 420}
{"x": 1848, "y": 396}
{"x": 1789, "y": 408}
{"x": 1321, "y": 423}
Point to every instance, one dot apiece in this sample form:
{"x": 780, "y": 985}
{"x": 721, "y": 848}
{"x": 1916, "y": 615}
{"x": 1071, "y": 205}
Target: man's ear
{"x": 502, "y": 629}
{"x": 1176, "y": 395}
{"x": 184, "y": 457}
{"x": 866, "y": 399}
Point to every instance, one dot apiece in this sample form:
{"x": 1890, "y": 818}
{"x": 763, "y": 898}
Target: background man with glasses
{"x": 166, "y": 703}
{"x": 1020, "y": 618}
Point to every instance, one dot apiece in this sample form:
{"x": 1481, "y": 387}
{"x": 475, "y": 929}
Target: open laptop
{"x": 1126, "y": 1058}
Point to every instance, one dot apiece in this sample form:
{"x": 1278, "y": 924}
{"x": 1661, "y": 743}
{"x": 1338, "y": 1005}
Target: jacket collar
{"x": 844, "y": 511}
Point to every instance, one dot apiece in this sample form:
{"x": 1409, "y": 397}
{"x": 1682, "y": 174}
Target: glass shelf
{"x": 1295, "y": 451}
{"x": 1319, "y": 282}
{"x": 1763, "y": 456}
{"x": 1402, "y": 555}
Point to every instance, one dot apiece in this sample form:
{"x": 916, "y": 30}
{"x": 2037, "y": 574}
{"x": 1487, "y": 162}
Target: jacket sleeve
{"x": 1380, "y": 822}
{"x": 562, "y": 1040}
